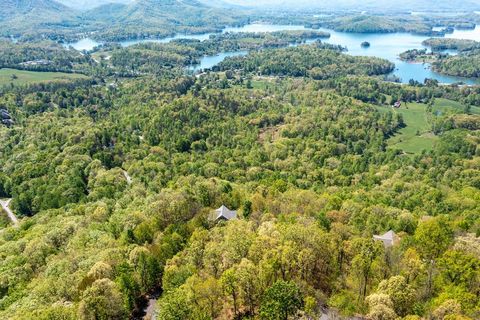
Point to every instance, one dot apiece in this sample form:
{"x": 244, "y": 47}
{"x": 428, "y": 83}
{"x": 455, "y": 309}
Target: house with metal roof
{"x": 397, "y": 104}
{"x": 389, "y": 238}
{"x": 4, "y": 114}
{"x": 223, "y": 213}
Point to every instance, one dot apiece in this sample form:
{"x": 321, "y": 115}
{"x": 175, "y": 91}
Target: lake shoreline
{"x": 383, "y": 45}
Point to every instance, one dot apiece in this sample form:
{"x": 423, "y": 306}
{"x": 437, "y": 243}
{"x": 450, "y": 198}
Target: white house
{"x": 389, "y": 239}
{"x": 223, "y": 213}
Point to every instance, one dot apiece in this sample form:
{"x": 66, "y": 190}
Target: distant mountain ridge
{"x": 114, "y": 20}
{"x": 13, "y": 8}
{"x": 84, "y": 5}
{"x": 374, "y": 5}
{"x": 23, "y": 17}
{"x": 154, "y": 13}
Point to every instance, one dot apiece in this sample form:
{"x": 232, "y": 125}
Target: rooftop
{"x": 223, "y": 213}
{"x": 389, "y": 238}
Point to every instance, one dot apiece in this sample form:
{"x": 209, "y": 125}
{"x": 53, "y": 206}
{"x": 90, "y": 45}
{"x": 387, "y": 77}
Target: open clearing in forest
{"x": 417, "y": 135}
{"x": 21, "y": 77}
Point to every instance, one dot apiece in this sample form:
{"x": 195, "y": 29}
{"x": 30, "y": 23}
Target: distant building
{"x": 8, "y": 122}
{"x": 223, "y": 213}
{"x": 40, "y": 62}
{"x": 389, "y": 239}
{"x": 4, "y": 114}
{"x": 5, "y": 118}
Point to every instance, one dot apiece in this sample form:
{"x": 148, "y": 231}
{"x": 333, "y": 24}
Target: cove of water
{"x": 89, "y": 44}
{"x": 383, "y": 45}
{"x": 390, "y": 45}
{"x": 256, "y": 27}
{"x": 86, "y": 44}
{"x": 201, "y": 37}
{"x": 208, "y": 62}
{"x": 465, "y": 34}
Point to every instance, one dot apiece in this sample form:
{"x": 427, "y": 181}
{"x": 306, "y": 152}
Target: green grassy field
{"x": 450, "y": 106}
{"x": 417, "y": 134}
{"x": 260, "y": 84}
{"x": 26, "y": 77}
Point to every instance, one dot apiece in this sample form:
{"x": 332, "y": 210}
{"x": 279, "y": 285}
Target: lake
{"x": 208, "y": 62}
{"x": 201, "y": 37}
{"x": 255, "y": 27}
{"x": 390, "y": 45}
{"x": 383, "y": 45}
{"x": 83, "y": 44}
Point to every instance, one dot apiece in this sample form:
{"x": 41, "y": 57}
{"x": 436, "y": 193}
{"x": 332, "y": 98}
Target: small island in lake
{"x": 365, "y": 44}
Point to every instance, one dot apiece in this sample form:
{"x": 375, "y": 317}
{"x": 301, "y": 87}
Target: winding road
{"x": 5, "y": 205}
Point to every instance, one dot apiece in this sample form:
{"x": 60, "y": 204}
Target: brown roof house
{"x": 223, "y": 214}
{"x": 389, "y": 239}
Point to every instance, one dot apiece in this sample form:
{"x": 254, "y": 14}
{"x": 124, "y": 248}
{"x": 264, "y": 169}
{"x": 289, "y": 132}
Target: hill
{"x": 300, "y": 4}
{"x": 159, "y": 18}
{"x": 114, "y": 188}
{"x": 19, "y": 16}
{"x": 193, "y": 12}
{"x": 90, "y": 4}
{"x": 112, "y": 20}
{"x": 13, "y": 8}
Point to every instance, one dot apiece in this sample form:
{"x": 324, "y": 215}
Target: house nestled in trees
{"x": 6, "y": 118}
{"x": 389, "y": 239}
{"x": 223, "y": 213}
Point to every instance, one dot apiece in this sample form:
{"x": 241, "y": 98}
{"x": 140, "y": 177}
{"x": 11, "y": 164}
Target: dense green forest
{"x": 111, "y": 59}
{"x": 438, "y": 44}
{"x": 307, "y": 61}
{"x": 355, "y": 197}
{"x": 115, "y": 184}
{"x": 39, "y": 19}
{"x": 464, "y": 65}
{"x": 371, "y": 23}
{"x": 144, "y": 19}
{"x": 153, "y": 58}
{"x": 41, "y": 56}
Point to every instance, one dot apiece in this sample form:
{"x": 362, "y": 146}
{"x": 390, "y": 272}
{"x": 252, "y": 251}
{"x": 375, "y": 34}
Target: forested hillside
{"x": 90, "y": 4}
{"x": 119, "y": 20}
{"x": 41, "y": 56}
{"x": 33, "y": 16}
{"x": 40, "y": 19}
{"x": 114, "y": 184}
{"x": 11, "y": 9}
{"x": 239, "y": 172}
{"x": 464, "y": 65}
{"x": 160, "y": 18}
{"x": 307, "y": 61}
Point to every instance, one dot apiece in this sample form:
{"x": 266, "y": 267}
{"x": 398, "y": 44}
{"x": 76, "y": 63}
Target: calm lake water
{"x": 84, "y": 44}
{"x": 208, "y": 62}
{"x": 383, "y": 45}
{"x": 204, "y": 36}
{"x": 201, "y": 37}
{"x": 390, "y": 45}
